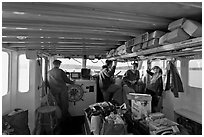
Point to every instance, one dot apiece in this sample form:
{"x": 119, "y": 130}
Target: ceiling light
{"x": 22, "y": 37}
{"x": 19, "y": 13}
{"x": 21, "y": 28}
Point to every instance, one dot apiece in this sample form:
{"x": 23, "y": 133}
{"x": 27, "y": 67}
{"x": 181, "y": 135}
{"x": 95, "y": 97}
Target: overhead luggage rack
{"x": 193, "y": 44}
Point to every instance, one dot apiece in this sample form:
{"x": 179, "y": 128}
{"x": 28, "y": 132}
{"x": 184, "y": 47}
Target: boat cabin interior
{"x": 83, "y": 35}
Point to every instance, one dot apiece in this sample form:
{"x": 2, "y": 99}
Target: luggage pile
{"x": 105, "y": 119}
{"x": 179, "y": 30}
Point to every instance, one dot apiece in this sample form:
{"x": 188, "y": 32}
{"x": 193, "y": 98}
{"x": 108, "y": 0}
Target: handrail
{"x": 174, "y": 46}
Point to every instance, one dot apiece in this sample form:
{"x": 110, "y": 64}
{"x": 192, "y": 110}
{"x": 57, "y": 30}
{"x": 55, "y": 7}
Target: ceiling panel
{"x": 82, "y": 28}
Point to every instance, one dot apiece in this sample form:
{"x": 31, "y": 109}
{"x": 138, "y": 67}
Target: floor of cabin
{"x": 72, "y": 126}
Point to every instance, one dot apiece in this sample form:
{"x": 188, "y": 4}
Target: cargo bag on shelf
{"x": 176, "y": 24}
{"x": 192, "y": 28}
{"x": 163, "y": 40}
{"x": 156, "y": 34}
{"x": 177, "y": 35}
{"x": 136, "y": 47}
{"x": 153, "y": 43}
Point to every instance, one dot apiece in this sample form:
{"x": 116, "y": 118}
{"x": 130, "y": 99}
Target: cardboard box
{"x": 156, "y": 115}
{"x": 153, "y": 43}
{"x": 137, "y": 40}
{"x": 145, "y": 45}
{"x": 129, "y": 49}
{"x": 177, "y": 35}
{"x": 156, "y": 34}
{"x": 140, "y": 105}
{"x": 163, "y": 39}
{"x": 145, "y": 37}
{"x": 129, "y": 43}
{"x": 176, "y": 24}
{"x": 192, "y": 28}
{"x": 141, "y": 38}
{"x": 121, "y": 50}
{"x": 136, "y": 47}
{"x": 139, "y": 97}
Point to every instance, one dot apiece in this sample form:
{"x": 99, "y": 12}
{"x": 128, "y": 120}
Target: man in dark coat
{"x": 110, "y": 90}
{"x": 57, "y": 80}
{"x": 131, "y": 77}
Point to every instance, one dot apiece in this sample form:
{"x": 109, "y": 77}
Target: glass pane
{"x": 95, "y": 65}
{"x": 5, "y": 67}
{"x": 195, "y": 73}
{"x": 178, "y": 66}
{"x": 43, "y": 68}
{"x": 23, "y": 74}
{"x": 122, "y": 67}
{"x": 71, "y": 65}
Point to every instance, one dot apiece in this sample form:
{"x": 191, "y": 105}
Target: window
{"x": 178, "y": 66}
{"x": 71, "y": 65}
{"x": 143, "y": 69}
{"x": 195, "y": 73}
{"x": 43, "y": 68}
{"x": 95, "y": 65}
{"x": 5, "y": 72}
{"x": 122, "y": 67}
{"x": 23, "y": 73}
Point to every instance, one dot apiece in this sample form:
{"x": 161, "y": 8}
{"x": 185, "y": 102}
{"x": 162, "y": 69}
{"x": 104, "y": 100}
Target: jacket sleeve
{"x": 111, "y": 72}
{"x": 138, "y": 75}
{"x": 126, "y": 77}
{"x": 160, "y": 86}
{"x": 150, "y": 73}
{"x": 65, "y": 78}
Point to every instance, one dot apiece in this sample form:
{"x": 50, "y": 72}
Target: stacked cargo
{"x": 153, "y": 40}
{"x": 138, "y": 42}
{"x": 181, "y": 30}
{"x": 111, "y": 53}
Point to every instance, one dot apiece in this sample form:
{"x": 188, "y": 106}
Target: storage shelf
{"x": 170, "y": 47}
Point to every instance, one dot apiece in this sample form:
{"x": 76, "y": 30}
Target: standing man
{"x": 155, "y": 87}
{"x": 132, "y": 76}
{"x": 110, "y": 90}
{"x": 57, "y": 80}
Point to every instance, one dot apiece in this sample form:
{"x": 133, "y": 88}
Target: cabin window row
{"x": 195, "y": 70}
{"x": 23, "y": 73}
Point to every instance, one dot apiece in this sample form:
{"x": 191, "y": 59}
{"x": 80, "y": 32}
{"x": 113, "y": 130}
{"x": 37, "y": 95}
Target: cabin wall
{"x": 9, "y": 100}
{"x": 31, "y": 100}
{"x": 28, "y": 100}
{"x": 190, "y": 99}
{"x": 6, "y": 104}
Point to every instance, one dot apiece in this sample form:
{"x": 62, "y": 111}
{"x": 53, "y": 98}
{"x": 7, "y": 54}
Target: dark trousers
{"x": 114, "y": 92}
{"x": 155, "y": 99}
{"x": 62, "y": 102}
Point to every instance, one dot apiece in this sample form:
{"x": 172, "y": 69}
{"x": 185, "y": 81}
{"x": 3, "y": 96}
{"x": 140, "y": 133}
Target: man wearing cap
{"x": 57, "y": 80}
{"x": 110, "y": 90}
{"x": 132, "y": 76}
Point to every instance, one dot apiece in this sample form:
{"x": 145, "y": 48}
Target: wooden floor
{"x": 72, "y": 126}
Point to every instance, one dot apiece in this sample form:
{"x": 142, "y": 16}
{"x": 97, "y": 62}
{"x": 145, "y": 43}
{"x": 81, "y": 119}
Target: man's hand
{"x": 115, "y": 63}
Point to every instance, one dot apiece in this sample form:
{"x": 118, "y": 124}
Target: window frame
{"x": 18, "y": 74}
{"x": 189, "y": 73}
{"x": 9, "y": 72}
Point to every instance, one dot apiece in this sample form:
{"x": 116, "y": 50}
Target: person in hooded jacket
{"x": 155, "y": 87}
{"x": 110, "y": 90}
